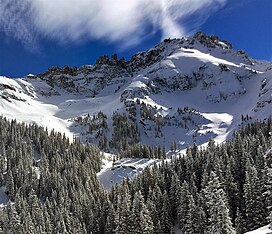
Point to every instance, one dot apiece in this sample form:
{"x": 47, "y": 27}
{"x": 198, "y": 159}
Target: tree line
{"x": 52, "y": 186}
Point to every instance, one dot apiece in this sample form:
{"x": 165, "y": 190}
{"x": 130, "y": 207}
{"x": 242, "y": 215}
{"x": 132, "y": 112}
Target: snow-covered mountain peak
{"x": 182, "y": 90}
{"x": 211, "y": 45}
{"x": 210, "y": 41}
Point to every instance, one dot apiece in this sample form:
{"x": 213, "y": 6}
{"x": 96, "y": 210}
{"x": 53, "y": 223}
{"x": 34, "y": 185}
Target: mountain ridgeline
{"x": 178, "y": 93}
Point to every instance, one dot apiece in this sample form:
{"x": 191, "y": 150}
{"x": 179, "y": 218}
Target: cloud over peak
{"x": 121, "y": 21}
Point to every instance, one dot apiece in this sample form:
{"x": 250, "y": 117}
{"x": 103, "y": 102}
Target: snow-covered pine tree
{"x": 255, "y": 208}
{"x": 219, "y": 221}
{"x": 182, "y": 206}
{"x": 192, "y": 222}
{"x": 140, "y": 219}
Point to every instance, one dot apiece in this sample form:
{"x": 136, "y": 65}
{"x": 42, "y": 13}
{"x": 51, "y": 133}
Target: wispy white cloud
{"x": 16, "y": 21}
{"x": 123, "y": 21}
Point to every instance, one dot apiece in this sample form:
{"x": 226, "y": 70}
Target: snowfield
{"x": 29, "y": 109}
{"x": 219, "y": 125}
{"x": 125, "y": 168}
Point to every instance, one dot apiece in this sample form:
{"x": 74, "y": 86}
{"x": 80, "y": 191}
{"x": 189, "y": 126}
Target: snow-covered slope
{"x": 19, "y": 99}
{"x": 127, "y": 167}
{"x": 262, "y": 230}
{"x": 184, "y": 90}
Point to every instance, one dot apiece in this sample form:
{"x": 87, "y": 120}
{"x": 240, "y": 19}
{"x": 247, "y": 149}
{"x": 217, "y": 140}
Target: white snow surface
{"x": 219, "y": 125}
{"x": 262, "y": 230}
{"x": 125, "y": 168}
{"x": 193, "y": 56}
{"x": 31, "y": 110}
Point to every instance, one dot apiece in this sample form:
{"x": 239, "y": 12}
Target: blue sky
{"x": 38, "y": 34}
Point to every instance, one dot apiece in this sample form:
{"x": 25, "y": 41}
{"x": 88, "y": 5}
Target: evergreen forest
{"x": 52, "y": 186}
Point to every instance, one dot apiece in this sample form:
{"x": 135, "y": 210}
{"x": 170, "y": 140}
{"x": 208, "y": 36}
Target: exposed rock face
{"x": 113, "y": 61}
